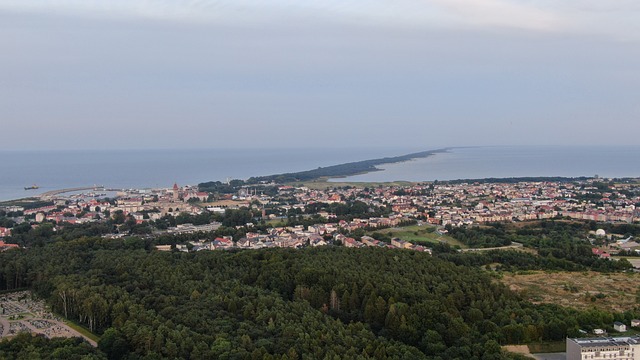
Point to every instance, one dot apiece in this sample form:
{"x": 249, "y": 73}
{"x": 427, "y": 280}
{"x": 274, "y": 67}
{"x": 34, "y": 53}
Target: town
{"x": 588, "y": 229}
{"x": 254, "y": 216}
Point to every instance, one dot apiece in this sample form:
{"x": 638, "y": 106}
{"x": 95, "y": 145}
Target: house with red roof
{"x": 4, "y": 246}
{"x": 5, "y": 232}
{"x": 601, "y": 253}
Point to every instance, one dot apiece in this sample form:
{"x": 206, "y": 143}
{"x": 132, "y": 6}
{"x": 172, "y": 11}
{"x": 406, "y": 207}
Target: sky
{"x": 139, "y": 74}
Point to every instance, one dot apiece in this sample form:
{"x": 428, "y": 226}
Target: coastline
{"x": 477, "y": 165}
{"x": 343, "y": 170}
{"x": 346, "y": 168}
{"x": 502, "y": 162}
{"x": 157, "y": 168}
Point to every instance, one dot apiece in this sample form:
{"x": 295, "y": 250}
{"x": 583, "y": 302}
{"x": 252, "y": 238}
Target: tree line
{"x": 315, "y": 303}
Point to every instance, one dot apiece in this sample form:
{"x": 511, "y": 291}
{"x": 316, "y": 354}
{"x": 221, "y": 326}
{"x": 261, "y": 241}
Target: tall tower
{"x": 176, "y": 192}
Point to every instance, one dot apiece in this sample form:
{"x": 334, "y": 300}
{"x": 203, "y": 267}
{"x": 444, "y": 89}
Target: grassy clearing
{"x": 277, "y": 222}
{"x": 584, "y": 290}
{"x": 420, "y": 235}
{"x": 634, "y": 260}
{"x": 82, "y": 330}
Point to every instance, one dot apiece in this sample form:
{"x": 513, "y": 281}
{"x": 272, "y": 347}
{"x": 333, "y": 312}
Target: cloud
{"x": 615, "y": 18}
{"x": 502, "y": 13}
{"x": 342, "y": 72}
{"x": 421, "y": 13}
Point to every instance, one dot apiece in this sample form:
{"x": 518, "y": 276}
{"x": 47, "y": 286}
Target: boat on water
{"x": 32, "y": 187}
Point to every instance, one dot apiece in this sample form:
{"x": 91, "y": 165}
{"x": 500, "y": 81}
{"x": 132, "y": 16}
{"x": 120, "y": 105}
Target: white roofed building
{"x": 619, "y": 348}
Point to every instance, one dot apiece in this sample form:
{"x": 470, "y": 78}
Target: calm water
{"x": 514, "y": 161}
{"x": 161, "y": 168}
{"x": 53, "y": 170}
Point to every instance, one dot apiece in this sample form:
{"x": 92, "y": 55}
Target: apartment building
{"x": 618, "y": 348}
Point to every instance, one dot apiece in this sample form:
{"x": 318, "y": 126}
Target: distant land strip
{"x": 558, "y": 179}
{"x": 50, "y": 194}
{"x": 342, "y": 170}
{"x": 513, "y": 180}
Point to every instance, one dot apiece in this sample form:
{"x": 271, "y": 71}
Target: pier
{"x": 50, "y": 194}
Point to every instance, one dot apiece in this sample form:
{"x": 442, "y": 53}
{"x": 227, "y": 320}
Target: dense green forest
{"x": 27, "y": 347}
{"x": 560, "y": 245}
{"x": 316, "y": 303}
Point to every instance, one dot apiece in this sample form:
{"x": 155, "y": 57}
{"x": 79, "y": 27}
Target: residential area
{"x": 271, "y": 215}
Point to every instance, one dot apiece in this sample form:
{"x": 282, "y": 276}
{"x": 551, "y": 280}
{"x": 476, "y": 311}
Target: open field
{"x": 635, "y": 261}
{"x": 547, "y": 350}
{"x": 82, "y": 330}
{"x": 517, "y": 349}
{"x": 420, "y": 235}
{"x": 581, "y": 290}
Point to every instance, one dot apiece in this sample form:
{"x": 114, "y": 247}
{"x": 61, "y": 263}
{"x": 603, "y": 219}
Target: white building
{"x": 619, "y": 348}
{"x": 620, "y": 327}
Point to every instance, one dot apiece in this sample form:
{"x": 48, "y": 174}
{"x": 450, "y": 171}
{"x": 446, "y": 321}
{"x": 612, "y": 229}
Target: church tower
{"x": 176, "y": 192}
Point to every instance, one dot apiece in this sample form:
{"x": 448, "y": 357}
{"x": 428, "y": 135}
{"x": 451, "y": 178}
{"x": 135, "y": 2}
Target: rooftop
{"x": 617, "y": 341}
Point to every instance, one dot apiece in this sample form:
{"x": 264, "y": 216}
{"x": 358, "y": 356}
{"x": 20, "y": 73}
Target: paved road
{"x": 514, "y": 245}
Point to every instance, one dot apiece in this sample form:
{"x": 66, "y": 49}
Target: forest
{"x": 315, "y": 303}
{"x": 559, "y": 245}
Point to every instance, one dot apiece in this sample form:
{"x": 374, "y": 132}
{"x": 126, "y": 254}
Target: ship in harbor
{"x": 32, "y": 187}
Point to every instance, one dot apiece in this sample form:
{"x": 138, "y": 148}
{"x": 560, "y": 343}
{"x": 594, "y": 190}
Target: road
{"x": 514, "y": 245}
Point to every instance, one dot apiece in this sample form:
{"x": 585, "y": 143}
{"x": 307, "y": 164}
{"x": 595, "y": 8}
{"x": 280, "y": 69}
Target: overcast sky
{"x": 282, "y": 73}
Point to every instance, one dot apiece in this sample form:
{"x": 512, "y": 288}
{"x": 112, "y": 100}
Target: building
{"x": 176, "y": 192}
{"x": 400, "y": 244}
{"x": 40, "y": 217}
{"x": 620, "y": 348}
{"x": 5, "y": 232}
{"x": 4, "y": 246}
{"x": 163, "y": 247}
{"x": 635, "y": 323}
{"x": 620, "y": 327}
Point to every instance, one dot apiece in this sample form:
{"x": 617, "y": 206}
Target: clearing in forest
{"x": 580, "y": 290}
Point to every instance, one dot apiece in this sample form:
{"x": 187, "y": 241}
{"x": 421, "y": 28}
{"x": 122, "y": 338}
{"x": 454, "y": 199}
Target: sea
{"x": 125, "y": 169}
{"x": 139, "y": 169}
{"x": 512, "y": 161}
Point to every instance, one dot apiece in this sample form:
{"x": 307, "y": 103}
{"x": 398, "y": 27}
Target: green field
{"x": 82, "y": 330}
{"x": 634, "y": 260}
{"x": 424, "y": 234}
